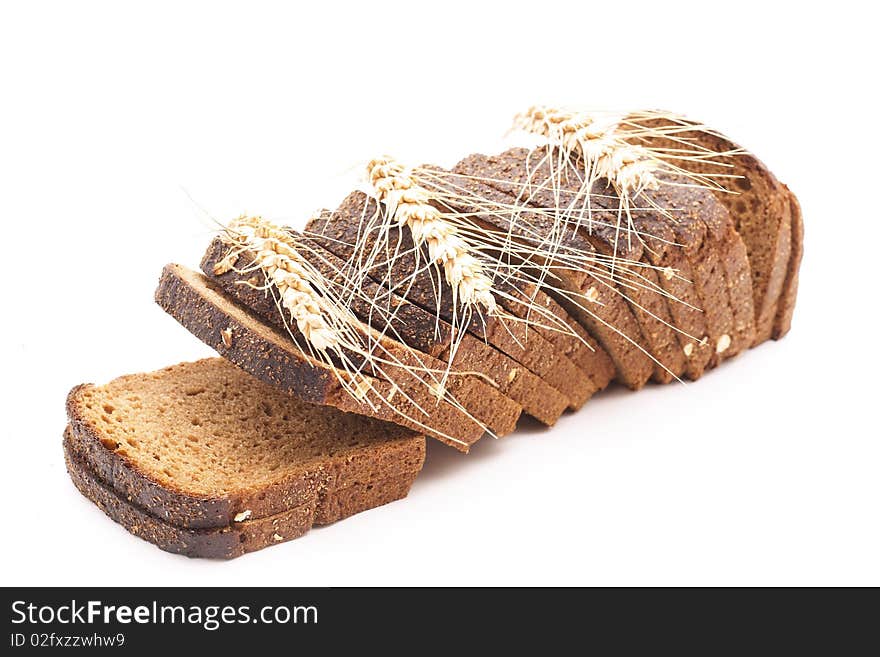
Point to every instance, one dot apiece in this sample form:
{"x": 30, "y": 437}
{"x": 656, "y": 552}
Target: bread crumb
{"x": 241, "y": 517}
{"x": 512, "y": 375}
{"x": 723, "y": 343}
{"x": 689, "y": 349}
{"x": 278, "y": 537}
{"x": 226, "y": 336}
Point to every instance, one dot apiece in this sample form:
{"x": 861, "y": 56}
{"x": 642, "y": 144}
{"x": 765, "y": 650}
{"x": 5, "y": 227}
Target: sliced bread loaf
{"x": 202, "y": 459}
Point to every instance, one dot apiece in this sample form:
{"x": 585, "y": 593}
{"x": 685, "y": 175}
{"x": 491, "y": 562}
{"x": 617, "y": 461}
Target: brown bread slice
{"x": 199, "y": 454}
{"x": 338, "y": 233}
{"x": 785, "y": 306}
{"x": 413, "y": 326}
{"x": 200, "y": 443}
{"x": 761, "y": 214}
{"x": 271, "y": 356}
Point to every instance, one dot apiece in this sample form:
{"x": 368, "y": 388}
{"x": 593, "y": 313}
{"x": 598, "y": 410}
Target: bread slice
{"x": 204, "y": 460}
{"x": 338, "y": 233}
{"x": 271, "y": 356}
{"x": 411, "y": 324}
{"x": 785, "y": 306}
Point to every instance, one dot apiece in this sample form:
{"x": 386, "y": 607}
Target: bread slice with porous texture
{"x": 202, "y": 459}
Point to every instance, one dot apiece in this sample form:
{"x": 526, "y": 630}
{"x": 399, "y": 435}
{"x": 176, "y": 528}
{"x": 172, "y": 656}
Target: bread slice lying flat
{"x": 202, "y": 459}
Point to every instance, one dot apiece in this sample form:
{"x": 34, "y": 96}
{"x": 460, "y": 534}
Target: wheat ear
{"x": 629, "y": 168}
{"x": 285, "y": 268}
{"x": 408, "y": 204}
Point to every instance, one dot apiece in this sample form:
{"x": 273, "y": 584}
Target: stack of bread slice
{"x": 228, "y": 455}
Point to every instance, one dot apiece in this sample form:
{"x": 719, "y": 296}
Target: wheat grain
{"x": 407, "y": 203}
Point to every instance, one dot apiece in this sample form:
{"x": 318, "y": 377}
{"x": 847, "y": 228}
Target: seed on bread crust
{"x": 226, "y": 336}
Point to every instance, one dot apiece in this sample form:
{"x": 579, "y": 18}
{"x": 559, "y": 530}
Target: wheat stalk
{"x": 408, "y": 204}
{"x": 285, "y": 268}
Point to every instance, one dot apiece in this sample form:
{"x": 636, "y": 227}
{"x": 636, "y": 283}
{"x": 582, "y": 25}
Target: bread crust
{"x": 788, "y": 298}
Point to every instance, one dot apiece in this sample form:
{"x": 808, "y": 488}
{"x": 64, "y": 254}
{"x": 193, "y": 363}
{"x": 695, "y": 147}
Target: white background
{"x": 123, "y": 129}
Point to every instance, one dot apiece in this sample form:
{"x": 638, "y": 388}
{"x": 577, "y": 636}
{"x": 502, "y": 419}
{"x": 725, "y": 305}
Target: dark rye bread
{"x": 760, "y": 209}
{"x": 484, "y": 401}
{"x": 529, "y": 185}
{"x": 271, "y": 356}
{"x": 581, "y": 348}
{"x": 785, "y": 306}
{"x": 338, "y": 232}
{"x": 411, "y": 324}
{"x": 202, "y": 459}
{"x": 695, "y": 238}
{"x": 626, "y": 327}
